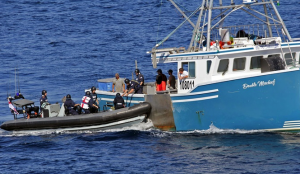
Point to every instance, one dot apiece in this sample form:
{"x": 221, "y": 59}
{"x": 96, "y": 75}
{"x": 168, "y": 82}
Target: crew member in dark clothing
{"x": 95, "y": 100}
{"x": 72, "y": 106}
{"x": 161, "y": 81}
{"x": 132, "y": 87}
{"x": 87, "y": 102}
{"x": 119, "y": 101}
{"x": 43, "y": 100}
{"x": 140, "y": 79}
{"x": 171, "y": 81}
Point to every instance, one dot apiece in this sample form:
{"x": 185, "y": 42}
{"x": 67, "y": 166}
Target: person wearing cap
{"x": 182, "y": 74}
{"x": 94, "y": 99}
{"x": 140, "y": 79}
{"x": 171, "y": 81}
{"x": 132, "y": 87}
{"x": 87, "y": 103}
{"x": 43, "y": 100}
{"x": 119, "y": 102}
{"x": 72, "y": 106}
{"x": 161, "y": 81}
{"x": 119, "y": 84}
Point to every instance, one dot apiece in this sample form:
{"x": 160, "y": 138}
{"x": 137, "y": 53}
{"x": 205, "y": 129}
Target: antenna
{"x": 19, "y": 83}
{"x": 15, "y": 80}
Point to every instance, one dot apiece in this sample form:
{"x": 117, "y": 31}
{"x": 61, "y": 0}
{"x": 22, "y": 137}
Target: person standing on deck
{"x": 43, "y": 100}
{"x": 94, "y": 98}
{"x": 140, "y": 79}
{"x": 161, "y": 81}
{"x": 119, "y": 84}
{"x": 171, "y": 81}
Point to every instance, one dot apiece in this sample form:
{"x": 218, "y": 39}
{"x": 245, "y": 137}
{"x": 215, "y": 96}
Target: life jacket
{"x": 119, "y": 102}
{"x": 85, "y": 102}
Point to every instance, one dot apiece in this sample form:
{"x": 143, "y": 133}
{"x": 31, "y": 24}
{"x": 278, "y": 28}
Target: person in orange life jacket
{"x": 94, "y": 98}
{"x": 72, "y": 107}
{"x": 119, "y": 101}
{"x": 132, "y": 87}
{"x": 87, "y": 102}
{"x": 161, "y": 81}
{"x": 140, "y": 79}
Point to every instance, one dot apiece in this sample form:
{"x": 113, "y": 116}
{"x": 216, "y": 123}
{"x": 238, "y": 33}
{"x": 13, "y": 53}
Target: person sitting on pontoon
{"x": 119, "y": 101}
{"x": 74, "y": 109}
{"x": 87, "y": 103}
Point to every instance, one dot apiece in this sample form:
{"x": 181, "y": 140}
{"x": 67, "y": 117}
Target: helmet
{"x": 118, "y": 95}
{"x": 68, "y": 96}
{"x": 93, "y": 88}
{"x": 126, "y": 81}
{"x": 137, "y": 71}
{"x": 87, "y": 93}
{"x": 44, "y": 92}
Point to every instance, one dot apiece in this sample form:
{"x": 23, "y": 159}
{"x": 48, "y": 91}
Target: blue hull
{"x": 268, "y": 101}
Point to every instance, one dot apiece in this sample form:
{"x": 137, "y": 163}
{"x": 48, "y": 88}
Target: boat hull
{"x": 269, "y": 101}
{"x": 265, "y": 102}
{"x": 105, "y": 120}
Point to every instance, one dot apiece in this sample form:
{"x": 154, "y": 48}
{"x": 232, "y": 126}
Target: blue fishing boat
{"x": 239, "y": 77}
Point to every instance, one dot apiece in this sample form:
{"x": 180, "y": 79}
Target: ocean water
{"x": 65, "y": 46}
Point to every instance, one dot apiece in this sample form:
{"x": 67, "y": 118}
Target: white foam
{"x": 139, "y": 127}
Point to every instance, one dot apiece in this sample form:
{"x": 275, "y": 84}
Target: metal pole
{"x": 209, "y": 25}
{"x": 268, "y": 22}
{"x": 195, "y": 32}
{"x": 282, "y": 23}
{"x": 182, "y": 13}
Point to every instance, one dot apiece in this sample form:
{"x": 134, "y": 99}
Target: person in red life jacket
{"x": 74, "y": 109}
{"x": 161, "y": 81}
{"x": 87, "y": 102}
{"x": 119, "y": 102}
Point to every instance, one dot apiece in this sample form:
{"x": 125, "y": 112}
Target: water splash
{"x": 139, "y": 127}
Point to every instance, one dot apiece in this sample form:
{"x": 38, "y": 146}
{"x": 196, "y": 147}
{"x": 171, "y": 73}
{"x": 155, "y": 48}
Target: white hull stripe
{"x": 194, "y": 93}
{"x": 195, "y": 99}
{"x": 173, "y": 101}
{"x": 292, "y": 124}
{"x": 118, "y": 124}
{"x": 128, "y": 101}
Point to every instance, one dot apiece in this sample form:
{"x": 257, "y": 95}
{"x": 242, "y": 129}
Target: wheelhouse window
{"x": 255, "y": 62}
{"x": 190, "y": 67}
{"x": 239, "y": 64}
{"x": 208, "y": 65}
{"x": 289, "y": 59}
{"x": 223, "y": 65}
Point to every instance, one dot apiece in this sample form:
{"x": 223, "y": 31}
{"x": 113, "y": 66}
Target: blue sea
{"x": 65, "y": 46}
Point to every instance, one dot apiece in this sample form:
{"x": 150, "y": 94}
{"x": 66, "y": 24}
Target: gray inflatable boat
{"x": 104, "y": 120}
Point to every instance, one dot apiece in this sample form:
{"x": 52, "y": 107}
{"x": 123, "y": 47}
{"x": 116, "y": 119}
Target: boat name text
{"x": 259, "y": 84}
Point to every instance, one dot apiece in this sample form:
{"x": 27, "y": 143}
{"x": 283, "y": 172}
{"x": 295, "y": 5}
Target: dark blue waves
{"x": 65, "y": 46}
